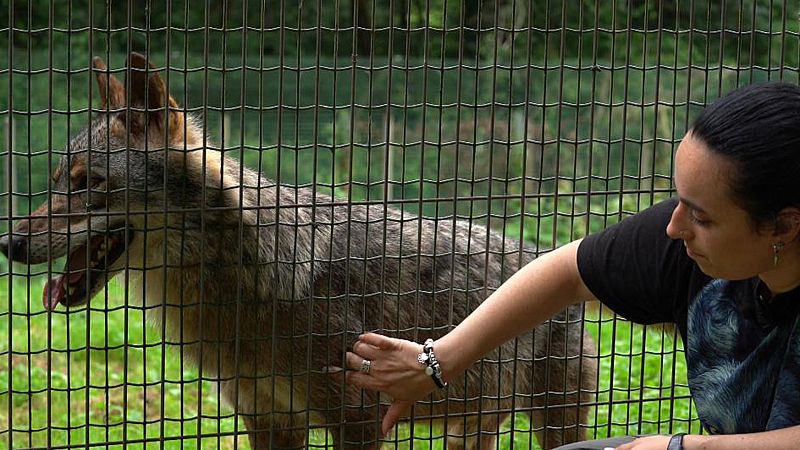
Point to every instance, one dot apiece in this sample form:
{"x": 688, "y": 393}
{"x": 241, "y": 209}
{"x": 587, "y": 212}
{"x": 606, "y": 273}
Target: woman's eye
{"x": 699, "y": 221}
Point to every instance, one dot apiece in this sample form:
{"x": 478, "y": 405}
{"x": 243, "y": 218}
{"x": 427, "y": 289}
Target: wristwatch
{"x": 676, "y": 442}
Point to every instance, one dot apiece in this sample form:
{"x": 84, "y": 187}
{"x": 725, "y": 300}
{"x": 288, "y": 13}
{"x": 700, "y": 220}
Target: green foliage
{"x": 472, "y": 29}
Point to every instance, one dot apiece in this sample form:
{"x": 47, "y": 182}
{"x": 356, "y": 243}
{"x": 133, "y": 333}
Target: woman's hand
{"x": 393, "y": 369}
{"x": 661, "y": 443}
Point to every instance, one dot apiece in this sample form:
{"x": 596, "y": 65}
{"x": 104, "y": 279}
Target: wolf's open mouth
{"x": 80, "y": 280}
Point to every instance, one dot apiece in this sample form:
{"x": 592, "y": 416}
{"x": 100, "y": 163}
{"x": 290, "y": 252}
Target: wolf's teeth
{"x": 101, "y": 252}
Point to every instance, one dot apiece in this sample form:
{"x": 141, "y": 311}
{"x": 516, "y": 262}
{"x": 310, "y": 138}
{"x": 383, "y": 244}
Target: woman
{"x": 722, "y": 261}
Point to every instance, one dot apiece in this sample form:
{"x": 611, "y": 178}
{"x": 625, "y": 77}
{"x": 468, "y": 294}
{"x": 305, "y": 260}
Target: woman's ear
{"x": 787, "y": 224}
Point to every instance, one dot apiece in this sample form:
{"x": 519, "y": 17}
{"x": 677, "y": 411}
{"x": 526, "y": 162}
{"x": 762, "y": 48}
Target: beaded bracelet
{"x": 432, "y": 367}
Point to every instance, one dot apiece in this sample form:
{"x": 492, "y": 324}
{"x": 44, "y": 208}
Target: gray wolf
{"x": 266, "y": 285}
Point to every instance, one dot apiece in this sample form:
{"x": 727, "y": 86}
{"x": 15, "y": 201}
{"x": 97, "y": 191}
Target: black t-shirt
{"x": 742, "y": 347}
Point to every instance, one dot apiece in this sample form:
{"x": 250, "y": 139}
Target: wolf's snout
{"x": 15, "y": 248}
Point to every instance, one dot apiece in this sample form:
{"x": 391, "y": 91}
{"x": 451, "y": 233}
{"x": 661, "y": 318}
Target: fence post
{"x": 226, "y": 130}
{"x": 645, "y": 174}
{"x": 11, "y": 174}
{"x": 390, "y": 157}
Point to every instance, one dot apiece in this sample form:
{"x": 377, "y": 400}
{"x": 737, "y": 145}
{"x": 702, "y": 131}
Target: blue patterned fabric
{"x": 742, "y": 343}
{"x": 736, "y": 391}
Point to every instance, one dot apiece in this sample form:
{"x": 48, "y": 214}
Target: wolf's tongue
{"x": 54, "y": 292}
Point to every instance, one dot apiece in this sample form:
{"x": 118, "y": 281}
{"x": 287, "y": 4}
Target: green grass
{"x": 642, "y": 384}
{"x": 102, "y": 375}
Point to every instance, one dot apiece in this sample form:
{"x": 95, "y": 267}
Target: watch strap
{"x": 676, "y": 442}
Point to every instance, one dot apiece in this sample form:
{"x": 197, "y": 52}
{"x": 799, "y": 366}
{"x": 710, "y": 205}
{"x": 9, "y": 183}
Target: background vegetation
{"x": 544, "y": 119}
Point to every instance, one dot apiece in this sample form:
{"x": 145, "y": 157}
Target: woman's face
{"x": 717, "y": 233}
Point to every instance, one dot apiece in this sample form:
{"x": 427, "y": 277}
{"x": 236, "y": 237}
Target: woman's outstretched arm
{"x": 783, "y": 439}
{"x": 544, "y": 287}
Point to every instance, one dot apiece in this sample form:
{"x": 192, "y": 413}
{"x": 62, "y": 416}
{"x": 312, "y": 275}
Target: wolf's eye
{"x": 80, "y": 183}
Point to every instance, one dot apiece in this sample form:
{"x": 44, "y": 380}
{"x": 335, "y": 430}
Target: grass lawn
{"x": 102, "y": 375}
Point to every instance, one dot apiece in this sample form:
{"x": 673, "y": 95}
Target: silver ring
{"x": 365, "y": 366}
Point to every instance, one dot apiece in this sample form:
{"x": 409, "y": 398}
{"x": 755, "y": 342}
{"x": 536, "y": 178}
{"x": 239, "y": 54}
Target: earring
{"x": 776, "y": 249}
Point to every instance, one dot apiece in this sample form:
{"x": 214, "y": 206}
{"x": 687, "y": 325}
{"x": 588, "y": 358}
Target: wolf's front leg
{"x": 359, "y": 435}
{"x": 273, "y": 418}
{"x": 282, "y": 433}
{"x": 357, "y": 423}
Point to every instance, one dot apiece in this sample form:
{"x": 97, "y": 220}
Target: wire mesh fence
{"x": 235, "y": 190}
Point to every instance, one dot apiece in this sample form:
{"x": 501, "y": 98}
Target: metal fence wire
{"x": 218, "y": 197}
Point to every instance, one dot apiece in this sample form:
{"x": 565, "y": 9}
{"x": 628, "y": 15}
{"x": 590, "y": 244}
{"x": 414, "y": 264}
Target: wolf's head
{"x": 113, "y": 169}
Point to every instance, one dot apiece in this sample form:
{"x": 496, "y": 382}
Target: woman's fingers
{"x": 355, "y": 362}
{"x": 396, "y": 411}
{"x": 380, "y": 341}
{"x": 390, "y": 354}
{"x": 391, "y": 351}
{"x": 351, "y": 360}
{"x": 388, "y": 365}
{"x": 367, "y": 351}
{"x": 358, "y": 377}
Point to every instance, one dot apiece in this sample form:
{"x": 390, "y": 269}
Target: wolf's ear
{"x": 148, "y": 92}
{"x": 112, "y": 92}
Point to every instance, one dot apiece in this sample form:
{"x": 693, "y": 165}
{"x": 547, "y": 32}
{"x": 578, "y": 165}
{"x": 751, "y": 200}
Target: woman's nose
{"x": 676, "y": 228}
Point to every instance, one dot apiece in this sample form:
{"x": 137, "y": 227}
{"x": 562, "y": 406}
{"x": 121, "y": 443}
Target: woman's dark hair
{"x": 757, "y": 128}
